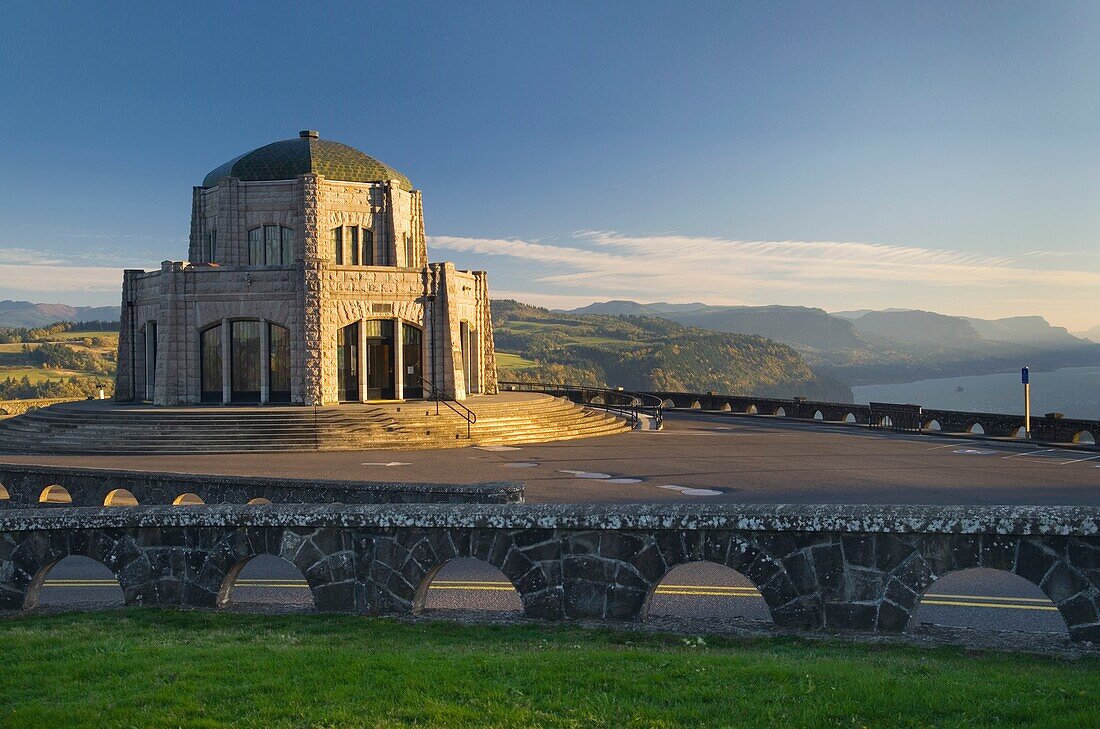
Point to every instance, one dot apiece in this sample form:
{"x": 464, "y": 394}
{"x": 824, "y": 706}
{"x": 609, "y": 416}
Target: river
{"x": 1073, "y": 391}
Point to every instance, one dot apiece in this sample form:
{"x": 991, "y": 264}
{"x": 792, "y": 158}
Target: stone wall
{"x": 816, "y": 567}
{"x": 22, "y": 487}
{"x": 18, "y": 407}
{"x": 1043, "y": 429}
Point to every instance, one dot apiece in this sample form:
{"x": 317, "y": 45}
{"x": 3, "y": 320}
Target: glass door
{"x": 412, "y": 357}
{"x": 245, "y": 361}
{"x": 347, "y": 362}
{"x": 380, "y": 360}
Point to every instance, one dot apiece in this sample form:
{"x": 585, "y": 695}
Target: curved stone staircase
{"x": 105, "y": 428}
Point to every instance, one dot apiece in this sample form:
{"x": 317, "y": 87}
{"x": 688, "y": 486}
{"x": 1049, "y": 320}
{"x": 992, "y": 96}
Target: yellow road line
{"x": 988, "y": 597}
{"x": 987, "y": 605}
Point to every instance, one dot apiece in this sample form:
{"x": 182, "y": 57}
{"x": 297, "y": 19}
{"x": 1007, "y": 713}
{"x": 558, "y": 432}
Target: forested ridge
{"x": 648, "y": 353}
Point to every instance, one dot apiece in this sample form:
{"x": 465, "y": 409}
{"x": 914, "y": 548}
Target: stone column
{"x": 313, "y": 272}
{"x": 227, "y": 368}
{"x": 398, "y": 360}
{"x": 361, "y": 364}
{"x": 265, "y": 363}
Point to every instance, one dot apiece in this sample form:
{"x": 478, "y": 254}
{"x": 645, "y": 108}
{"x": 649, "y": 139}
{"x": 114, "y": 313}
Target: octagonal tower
{"x": 307, "y": 282}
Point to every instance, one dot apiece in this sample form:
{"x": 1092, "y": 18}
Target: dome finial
{"x": 309, "y": 134}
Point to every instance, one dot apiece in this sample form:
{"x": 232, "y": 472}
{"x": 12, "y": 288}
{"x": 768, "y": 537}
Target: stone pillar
{"x": 227, "y": 368}
{"x": 398, "y": 360}
{"x": 265, "y": 363}
{"x": 313, "y": 272}
{"x": 361, "y": 364}
{"x": 124, "y": 373}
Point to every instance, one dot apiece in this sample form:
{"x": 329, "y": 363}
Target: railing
{"x": 894, "y": 416}
{"x": 459, "y": 409}
{"x": 630, "y": 405}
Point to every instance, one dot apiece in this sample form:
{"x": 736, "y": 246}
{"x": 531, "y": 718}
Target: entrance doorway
{"x": 347, "y": 362}
{"x": 380, "y": 360}
{"x": 244, "y": 361}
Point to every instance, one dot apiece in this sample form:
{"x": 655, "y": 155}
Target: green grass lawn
{"x": 509, "y": 361}
{"x": 146, "y": 667}
{"x": 39, "y": 374}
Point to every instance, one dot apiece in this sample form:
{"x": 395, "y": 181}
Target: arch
{"x": 932, "y": 424}
{"x": 466, "y": 583}
{"x": 965, "y": 598}
{"x": 666, "y": 404}
{"x": 976, "y": 429}
{"x": 696, "y": 405}
{"x": 188, "y": 499}
{"x": 780, "y": 412}
{"x": 596, "y": 400}
{"x": 74, "y": 580}
{"x": 726, "y": 407}
{"x": 751, "y": 410}
{"x": 1020, "y": 432}
{"x": 265, "y": 578}
{"x": 1085, "y": 438}
{"x": 120, "y": 497}
{"x": 4, "y": 495}
{"x": 259, "y": 501}
{"x": 54, "y": 494}
{"x": 818, "y": 415}
{"x": 706, "y": 589}
{"x": 850, "y": 418}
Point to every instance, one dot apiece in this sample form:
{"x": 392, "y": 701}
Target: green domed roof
{"x": 307, "y": 153}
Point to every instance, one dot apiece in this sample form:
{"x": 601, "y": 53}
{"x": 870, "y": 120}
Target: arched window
{"x": 278, "y": 372}
{"x": 270, "y": 245}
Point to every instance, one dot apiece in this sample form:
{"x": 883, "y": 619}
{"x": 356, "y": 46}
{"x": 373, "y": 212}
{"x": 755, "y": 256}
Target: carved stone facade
{"x": 305, "y": 288}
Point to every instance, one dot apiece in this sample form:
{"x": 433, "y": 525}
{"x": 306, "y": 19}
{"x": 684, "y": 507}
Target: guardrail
{"x": 630, "y": 405}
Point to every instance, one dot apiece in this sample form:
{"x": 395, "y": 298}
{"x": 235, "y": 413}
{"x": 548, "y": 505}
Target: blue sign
{"x": 1023, "y": 375}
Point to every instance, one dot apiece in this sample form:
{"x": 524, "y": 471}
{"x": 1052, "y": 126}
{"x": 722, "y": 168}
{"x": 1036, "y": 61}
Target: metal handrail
{"x": 465, "y": 413}
{"x": 635, "y": 406}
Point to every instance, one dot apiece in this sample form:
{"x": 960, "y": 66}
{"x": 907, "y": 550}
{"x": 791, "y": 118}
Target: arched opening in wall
{"x": 818, "y": 415}
{"x": 986, "y": 599}
{"x": 1084, "y": 438}
{"x": 465, "y": 585}
{"x": 932, "y": 425}
{"x": 75, "y": 583}
{"x": 188, "y": 499}
{"x": 666, "y": 404}
{"x": 780, "y": 412}
{"x": 1020, "y": 432}
{"x": 705, "y": 590}
{"x": 885, "y": 421}
{"x": 259, "y": 501}
{"x": 976, "y": 429}
{"x": 751, "y": 410}
{"x": 55, "y": 494}
{"x": 4, "y": 495}
{"x": 696, "y": 405}
{"x": 849, "y": 418}
{"x": 210, "y": 364}
{"x": 266, "y": 581}
{"x": 120, "y": 497}
{"x": 726, "y": 407}
{"x": 596, "y": 400}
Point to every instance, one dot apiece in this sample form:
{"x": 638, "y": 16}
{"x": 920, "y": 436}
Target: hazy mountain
{"x": 28, "y": 314}
{"x": 895, "y": 345}
{"x": 916, "y": 327}
{"x": 1093, "y": 334}
{"x": 619, "y": 307}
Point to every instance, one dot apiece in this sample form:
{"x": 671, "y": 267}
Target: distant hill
{"x": 1092, "y": 334}
{"x": 895, "y": 345}
{"x": 28, "y": 314}
{"x": 648, "y": 353}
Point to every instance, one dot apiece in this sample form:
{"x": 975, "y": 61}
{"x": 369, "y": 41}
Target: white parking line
{"x": 1079, "y": 460}
{"x": 1030, "y": 453}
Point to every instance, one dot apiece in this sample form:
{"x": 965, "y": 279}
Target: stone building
{"x": 307, "y": 281}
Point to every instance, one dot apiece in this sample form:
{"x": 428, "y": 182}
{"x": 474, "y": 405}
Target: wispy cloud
{"x": 834, "y": 274}
{"x": 56, "y": 279}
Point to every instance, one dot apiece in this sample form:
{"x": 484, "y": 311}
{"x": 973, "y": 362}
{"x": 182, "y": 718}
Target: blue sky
{"x": 846, "y": 155}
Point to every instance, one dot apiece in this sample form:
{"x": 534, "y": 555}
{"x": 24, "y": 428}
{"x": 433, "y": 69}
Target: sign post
{"x": 1024, "y": 378}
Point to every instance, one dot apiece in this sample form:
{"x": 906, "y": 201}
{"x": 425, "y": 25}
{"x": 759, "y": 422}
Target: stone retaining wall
{"x": 817, "y": 567}
{"x": 1043, "y": 429}
{"x": 24, "y": 486}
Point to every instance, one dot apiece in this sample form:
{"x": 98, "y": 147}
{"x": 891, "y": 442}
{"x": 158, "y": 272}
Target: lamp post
{"x": 1025, "y": 379}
